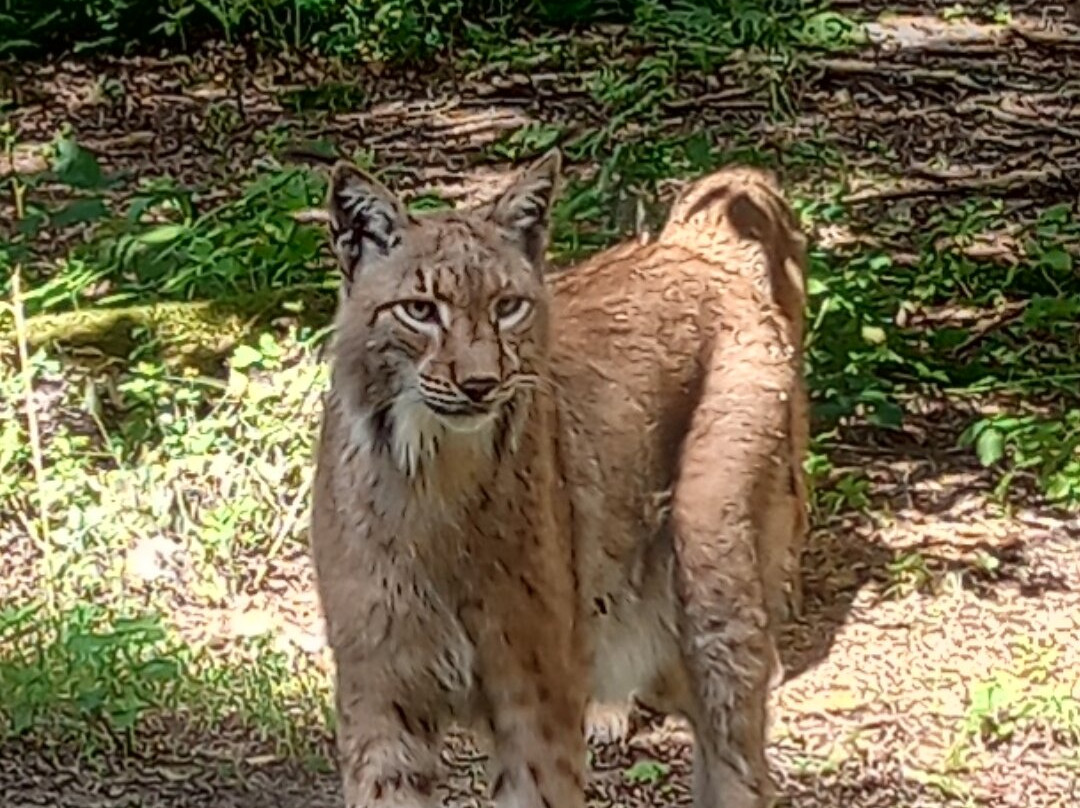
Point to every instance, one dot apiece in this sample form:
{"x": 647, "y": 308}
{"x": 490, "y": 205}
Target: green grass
{"x": 647, "y": 771}
{"x": 175, "y": 421}
{"x": 216, "y": 470}
{"x": 158, "y": 247}
{"x": 92, "y": 677}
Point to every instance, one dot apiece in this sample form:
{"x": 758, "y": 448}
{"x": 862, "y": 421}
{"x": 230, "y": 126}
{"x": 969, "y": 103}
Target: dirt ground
{"x": 883, "y": 667}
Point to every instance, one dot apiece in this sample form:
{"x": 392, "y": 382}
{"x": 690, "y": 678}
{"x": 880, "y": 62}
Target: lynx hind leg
{"x": 732, "y": 665}
{"x": 794, "y": 599}
{"x": 795, "y": 595}
{"x": 731, "y": 660}
{"x": 727, "y": 642}
{"x": 800, "y": 437}
{"x": 778, "y": 553}
{"x": 619, "y": 722}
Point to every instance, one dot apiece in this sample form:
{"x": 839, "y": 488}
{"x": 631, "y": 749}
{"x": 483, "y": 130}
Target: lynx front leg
{"x": 537, "y": 722}
{"x": 534, "y": 693}
{"x": 537, "y": 763}
{"x": 389, "y": 750}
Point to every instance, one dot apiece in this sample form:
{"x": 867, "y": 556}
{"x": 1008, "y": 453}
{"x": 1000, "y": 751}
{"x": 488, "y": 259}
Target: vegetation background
{"x": 166, "y": 301}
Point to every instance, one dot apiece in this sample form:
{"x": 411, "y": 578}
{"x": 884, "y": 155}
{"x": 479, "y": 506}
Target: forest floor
{"x": 153, "y": 525}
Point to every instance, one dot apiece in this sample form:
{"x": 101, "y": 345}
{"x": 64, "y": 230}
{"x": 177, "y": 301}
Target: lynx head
{"x": 443, "y": 317}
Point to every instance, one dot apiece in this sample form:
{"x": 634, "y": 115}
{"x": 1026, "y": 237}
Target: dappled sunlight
{"x": 932, "y": 31}
{"x": 927, "y": 31}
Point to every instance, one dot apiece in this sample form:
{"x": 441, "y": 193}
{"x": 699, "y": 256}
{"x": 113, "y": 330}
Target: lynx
{"x": 539, "y": 489}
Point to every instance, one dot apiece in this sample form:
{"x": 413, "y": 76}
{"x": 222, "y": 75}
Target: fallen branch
{"x": 1039, "y": 122}
{"x": 1051, "y": 36}
{"x": 1007, "y": 181}
{"x": 301, "y": 154}
{"x": 1006, "y": 314}
{"x": 863, "y": 67}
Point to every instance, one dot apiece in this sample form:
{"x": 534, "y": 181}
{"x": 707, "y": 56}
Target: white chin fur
{"x": 420, "y": 435}
{"x": 466, "y": 424}
{"x": 417, "y": 435}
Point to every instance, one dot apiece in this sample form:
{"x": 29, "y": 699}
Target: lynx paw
{"x": 608, "y": 723}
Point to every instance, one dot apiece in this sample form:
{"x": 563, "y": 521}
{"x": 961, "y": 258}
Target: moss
{"x": 198, "y": 333}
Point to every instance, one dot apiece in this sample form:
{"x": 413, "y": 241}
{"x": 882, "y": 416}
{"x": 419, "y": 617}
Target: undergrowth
{"x": 91, "y": 676}
{"x": 396, "y": 30}
{"x": 165, "y": 485}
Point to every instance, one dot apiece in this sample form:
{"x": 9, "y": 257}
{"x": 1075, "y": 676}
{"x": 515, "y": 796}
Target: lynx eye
{"x": 418, "y": 312}
{"x": 510, "y": 311}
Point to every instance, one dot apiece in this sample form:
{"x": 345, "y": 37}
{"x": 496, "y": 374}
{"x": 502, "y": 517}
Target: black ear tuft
{"x": 524, "y": 208}
{"x": 366, "y": 219}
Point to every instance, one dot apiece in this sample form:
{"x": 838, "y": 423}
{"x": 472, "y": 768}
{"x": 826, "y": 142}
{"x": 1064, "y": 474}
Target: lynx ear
{"x": 524, "y": 208}
{"x": 366, "y": 219}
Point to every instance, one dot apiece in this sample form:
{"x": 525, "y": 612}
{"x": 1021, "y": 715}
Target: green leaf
{"x": 160, "y": 670}
{"x": 30, "y": 226}
{"x": 1060, "y": 488}
{"x": 77, "y": 167}
{"x": 14, "y": 44}
{"x": 873, "y": 334}
{"x": 163, "y": 234}
{"x": 887, "y": 414}
{"x": 146, "y": 628}
{"x": 91, "y": 700}
{"x": 647, "y": 771}
{"x": 826, "y": 29}
{"x": 85, "y": 645}
{"x": 21, "y": 716}
{"x": 245, "y": 356}
{"x": 1056, "y": 214}
{"x": 268, "y": 345}
{"x": 1057, "y": 259}
{"x": 125, "y": 716}
{"x": 990, "y": 446}
{"x": 699, "y": 151}
{"x": 78, "y": 212}
{"x": 428, "y": 202}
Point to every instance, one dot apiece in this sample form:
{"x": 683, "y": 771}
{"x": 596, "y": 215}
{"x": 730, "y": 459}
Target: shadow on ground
{"x": 918, "y": 533}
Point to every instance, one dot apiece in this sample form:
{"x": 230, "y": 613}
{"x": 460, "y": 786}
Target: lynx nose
{"x": 477, "y": 388}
